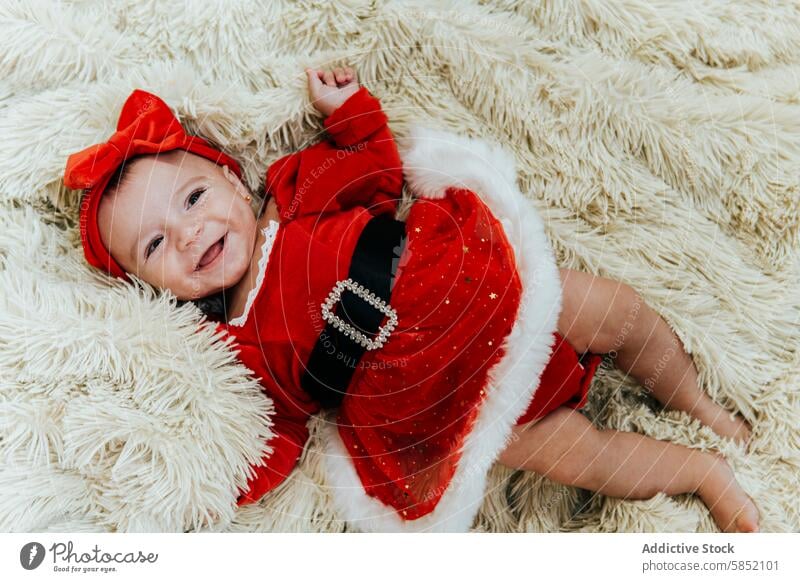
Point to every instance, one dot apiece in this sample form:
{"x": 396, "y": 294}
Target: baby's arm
{"x": 288, "y": 426}
{"x": 287, "y": 446}
{"x": 358, "y": 166}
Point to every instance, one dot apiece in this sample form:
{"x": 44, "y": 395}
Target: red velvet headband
{"x": 146, "y": 126}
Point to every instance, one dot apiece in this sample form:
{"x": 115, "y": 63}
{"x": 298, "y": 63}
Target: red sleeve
{"x": 359, "y": 166}
{"x": 288, "y": 426}
{"x": 287, "y": 446}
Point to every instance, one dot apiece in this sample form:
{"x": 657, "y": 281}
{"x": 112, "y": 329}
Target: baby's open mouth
{"x": 211, "y": 254}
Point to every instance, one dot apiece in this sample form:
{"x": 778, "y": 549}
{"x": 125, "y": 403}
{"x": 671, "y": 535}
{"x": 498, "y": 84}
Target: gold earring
{"x": 228, "y": 175}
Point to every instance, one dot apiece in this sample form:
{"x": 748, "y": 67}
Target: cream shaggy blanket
{"x": 659, "y": 139}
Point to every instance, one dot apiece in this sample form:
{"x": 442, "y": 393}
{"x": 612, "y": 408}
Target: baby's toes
{"x": 744, "y": 518}
{"x": 732, "y": 509}
{"x": 747, "y": 520}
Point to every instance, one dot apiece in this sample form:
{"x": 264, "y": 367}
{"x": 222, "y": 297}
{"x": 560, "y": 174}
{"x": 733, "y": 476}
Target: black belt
{"x": 364, "y": 304}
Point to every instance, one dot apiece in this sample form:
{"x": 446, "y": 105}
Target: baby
{"x": 180, "y": 218}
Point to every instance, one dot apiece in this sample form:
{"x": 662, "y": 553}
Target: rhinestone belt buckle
{"x": 349, "y": 330}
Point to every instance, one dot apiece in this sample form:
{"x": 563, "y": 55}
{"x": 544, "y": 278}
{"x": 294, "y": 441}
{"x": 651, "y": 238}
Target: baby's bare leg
{"x": 565, "y": 447}
{"x": 655, "y": 356}
{"x": 606, "y": 316}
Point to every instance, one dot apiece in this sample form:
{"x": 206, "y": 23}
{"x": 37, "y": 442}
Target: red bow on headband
{"x": 146, "y": 126}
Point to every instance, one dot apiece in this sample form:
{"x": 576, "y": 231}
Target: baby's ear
{"x": 233, "y": 179}
{"x": 227, "y": 173}
{"x": 240, "y": 188}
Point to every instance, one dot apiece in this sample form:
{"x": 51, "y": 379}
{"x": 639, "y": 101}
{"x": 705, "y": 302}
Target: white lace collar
{"x": 269, "y": 238}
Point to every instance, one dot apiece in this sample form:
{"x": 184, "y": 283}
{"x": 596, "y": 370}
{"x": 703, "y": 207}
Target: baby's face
{"x": 169, "y": 216}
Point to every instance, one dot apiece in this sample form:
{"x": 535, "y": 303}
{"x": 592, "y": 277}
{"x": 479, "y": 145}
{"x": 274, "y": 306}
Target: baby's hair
{"x": 120, "y": 177}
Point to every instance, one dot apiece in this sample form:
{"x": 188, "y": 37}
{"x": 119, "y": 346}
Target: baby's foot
{"x": 736, "y": 428}
{"x": 732, "y": 509}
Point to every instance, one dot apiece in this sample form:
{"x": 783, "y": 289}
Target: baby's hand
{"x": 329, "y": 89}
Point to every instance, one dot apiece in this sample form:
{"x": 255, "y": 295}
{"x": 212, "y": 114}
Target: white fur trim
{"x": 433, "y": 161}
{"x": 266, "y": 249}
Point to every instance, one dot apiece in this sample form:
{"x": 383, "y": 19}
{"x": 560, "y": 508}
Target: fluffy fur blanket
{"x": 660, "y": 142}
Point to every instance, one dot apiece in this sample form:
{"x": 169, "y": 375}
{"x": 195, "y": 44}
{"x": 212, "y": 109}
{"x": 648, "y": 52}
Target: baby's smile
{"x": 213, "y": 256}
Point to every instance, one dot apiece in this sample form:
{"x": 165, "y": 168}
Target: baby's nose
{"x": 191, "y": 234}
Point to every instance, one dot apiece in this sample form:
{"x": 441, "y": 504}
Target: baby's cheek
{"x": 194, "y": 288}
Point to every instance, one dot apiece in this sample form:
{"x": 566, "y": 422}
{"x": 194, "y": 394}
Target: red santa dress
{"x": 477, "y": 296}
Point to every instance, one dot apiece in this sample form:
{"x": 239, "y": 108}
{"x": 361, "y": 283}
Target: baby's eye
{"x": 197, "y": 193}
{"x": 152, "y": 246}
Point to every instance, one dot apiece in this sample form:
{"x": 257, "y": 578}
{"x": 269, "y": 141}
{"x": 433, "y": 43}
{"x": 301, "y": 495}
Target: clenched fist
{"x": 329, "y": 89}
